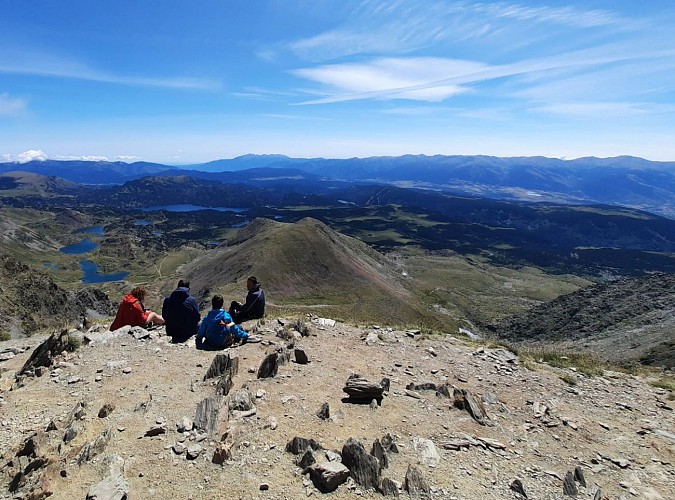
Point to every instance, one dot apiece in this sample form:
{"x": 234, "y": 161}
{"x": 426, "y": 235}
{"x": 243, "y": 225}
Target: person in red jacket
{"x": 132, "y": 312}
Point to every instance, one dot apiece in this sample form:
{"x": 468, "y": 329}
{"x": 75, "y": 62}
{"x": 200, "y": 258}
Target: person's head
{"x": 251, "y": 283}
{"x": 183, "y": 284}
{"x": 140, "y": 293}
{"x": 217, "y": 302}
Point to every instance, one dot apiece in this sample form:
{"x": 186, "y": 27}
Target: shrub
{"x": 73, "y": 343}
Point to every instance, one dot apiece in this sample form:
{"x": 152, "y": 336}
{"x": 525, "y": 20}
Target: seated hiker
{"x": 181, "y": 313}
{"x": 254, "y": 307}
{"x": 217, "y": 330}
{"x": 132, "y": 312}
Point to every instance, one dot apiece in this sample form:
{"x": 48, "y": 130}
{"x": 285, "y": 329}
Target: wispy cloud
{"x": 28, "y": 62}
{"x": 395, "y": 27}
{"x": 605, "y": 110}
{"x": 10, "y": 106}
{"x": 128, "y": 158}
{"x": 436, "y": 79}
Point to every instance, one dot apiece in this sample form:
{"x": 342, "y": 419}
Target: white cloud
{"x": 80, "y": 158}
{"x": 419, "y": 79}
{"x": 10, "y": 106}
{"x": 128, "y": 158}
{"x": 26, "y": 156}
{"x": 388, "y": 27}
{"x": 604, "y": 110}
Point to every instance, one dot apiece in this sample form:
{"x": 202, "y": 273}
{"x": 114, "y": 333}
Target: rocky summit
{"x": 363, "y": 412}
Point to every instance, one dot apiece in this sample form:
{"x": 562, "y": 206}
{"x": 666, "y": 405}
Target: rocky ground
{"x": 116, "y": 418}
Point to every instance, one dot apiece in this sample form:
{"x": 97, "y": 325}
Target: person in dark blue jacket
{"x": 181, "y": 313}
{"x": 217, "y": 330}
{"x": 254, "y": 307}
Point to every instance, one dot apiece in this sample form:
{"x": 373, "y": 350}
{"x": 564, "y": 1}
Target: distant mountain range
{"x": 626, "y": 181}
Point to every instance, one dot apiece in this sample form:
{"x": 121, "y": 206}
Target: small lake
{"x": 83, "y": 246}
{"x": 142, "y": 222}
{"x": 92, "y": 274}
{"x": 241, "y": 224}
{"x": 191, "y": 208}
{"x": 95, "y": 230}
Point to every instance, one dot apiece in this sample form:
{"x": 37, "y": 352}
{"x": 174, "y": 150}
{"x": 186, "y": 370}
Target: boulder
{"x": 327, "y": 476}
{"x": 415, "y": 484}
{"x": 269, "y": 366}
{"x": 363, "y": 467}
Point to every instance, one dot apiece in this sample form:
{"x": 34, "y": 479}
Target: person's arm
{"x": 140, "y": 313}
{"x": 202, "y": 329}
{"x": 251, "y": 299}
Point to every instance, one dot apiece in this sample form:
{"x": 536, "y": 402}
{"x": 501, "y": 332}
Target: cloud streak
{"x": 436, "y": 79}
{"x": 396, "y": 27}
{"x": 49, "y": 65}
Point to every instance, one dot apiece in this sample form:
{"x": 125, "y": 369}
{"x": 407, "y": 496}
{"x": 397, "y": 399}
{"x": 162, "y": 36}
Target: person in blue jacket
{"x": 217, "y": 330}
{"x": 181, "y": 313}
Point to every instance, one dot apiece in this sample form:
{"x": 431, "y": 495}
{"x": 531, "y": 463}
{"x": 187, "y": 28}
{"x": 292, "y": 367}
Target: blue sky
{"x": 186, "y": 82}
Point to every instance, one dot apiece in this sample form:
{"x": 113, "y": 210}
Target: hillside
{"x": 121, "y": 415}
{"x": 623, "y": 321}
{"x": 20, "y": 183}
{"x": 30, "y": 302}
{"x": 306, "y": 264}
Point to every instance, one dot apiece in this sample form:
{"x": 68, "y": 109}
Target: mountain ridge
{"x": 623, "y": 180}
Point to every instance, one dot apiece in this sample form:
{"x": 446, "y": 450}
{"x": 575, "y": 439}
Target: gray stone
{"x": 389, "y": 487}
{"x": 222, "y": 453}
{"x": 364, "y": 468}
{"x": 114, "y": 486}
{"x": 415, "y": 484}
{"x": 184, "y": 425}
{"x": 179, "y": 448}
{"x": 327, "y": 476}
{"x": 71, "y": 433}
{"x": 579, "y": 476}
{"x": 194, "y": 451}
{"x": 465, "y": 400}
{"x": 569, "y": 486}
{"x": 517, "y": 486}
{"x": 269, "y": 366}
{"x": 380, "y": 453}
{"x": 298, "y": 445}
{"x": 208, "y": 411}
{"x": 106, "y": 410}
{"x": 324, "y": 412}
{"x": 301, "y": 357}
{"x": 94, "y": 448}
{"x": 155, "y": 430}
{"x": 222, "y": 364}
{"x": 426, "y": 451}
{"x": 242, "y": 400}
{"x": 308, "y": 458}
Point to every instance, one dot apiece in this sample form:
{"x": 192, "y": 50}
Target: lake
{"x": 191, "y": 208}
{"x": 83, "y": 246}
{"x": 92, "y": 274}
{"x": 142, "y": 222}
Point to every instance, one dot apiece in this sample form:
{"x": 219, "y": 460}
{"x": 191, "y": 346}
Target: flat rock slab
{"x": 327, "y": 476}
{"x": 114, "y": 486}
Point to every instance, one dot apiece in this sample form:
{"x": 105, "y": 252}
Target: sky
{"x": 181, "y": 82}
